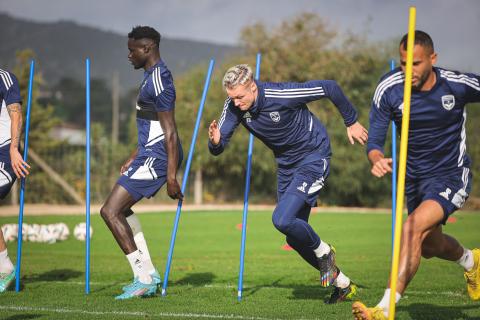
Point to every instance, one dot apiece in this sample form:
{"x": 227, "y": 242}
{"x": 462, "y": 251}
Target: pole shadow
{"x": 53, "y": 275}
{"x": 196, "y": 279}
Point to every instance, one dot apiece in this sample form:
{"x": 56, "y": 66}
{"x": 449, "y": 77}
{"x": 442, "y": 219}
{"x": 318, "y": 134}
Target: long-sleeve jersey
{"x": 9, "y": 94}
{"x": 280, "y": 118}
{"x": 436, "y": 138}
{"x": 157, "y": 94}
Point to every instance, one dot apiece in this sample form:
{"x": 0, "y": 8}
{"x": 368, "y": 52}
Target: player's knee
{"x": 292, "y": 243}
{"x": 107, "y": 213}
{"x": 281, "y": 223}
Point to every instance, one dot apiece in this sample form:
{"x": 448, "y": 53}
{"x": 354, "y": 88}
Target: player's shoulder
{"x": 388, "y": 81}
{"x": 392, "y": 77}
{"x": 159, "y": 80}
{"x": 279, "y": 86}
{"x": 280, "y": 91}
{"x": 7, "y": 79}
{"x": 457, "y": 78}
{"x": 161, "y": 71}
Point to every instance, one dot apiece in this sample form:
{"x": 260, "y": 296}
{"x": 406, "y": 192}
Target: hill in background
{"x": 61, "y": 49}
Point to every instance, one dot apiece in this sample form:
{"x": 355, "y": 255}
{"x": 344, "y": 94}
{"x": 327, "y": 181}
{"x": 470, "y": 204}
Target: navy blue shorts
{"x": 450, "y": 191}
{"x": 7, "y": 176}
{"x": 305, "y": 180}
{"x": 145, "y": 176}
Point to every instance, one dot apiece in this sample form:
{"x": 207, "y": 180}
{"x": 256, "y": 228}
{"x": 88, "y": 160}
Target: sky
{"x": 453, "y": 24}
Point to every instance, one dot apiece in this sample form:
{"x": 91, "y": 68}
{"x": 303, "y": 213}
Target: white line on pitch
{"x": 136, "y": 314}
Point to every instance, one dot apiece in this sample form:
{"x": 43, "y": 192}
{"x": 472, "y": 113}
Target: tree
{"x": 299, "y": 49}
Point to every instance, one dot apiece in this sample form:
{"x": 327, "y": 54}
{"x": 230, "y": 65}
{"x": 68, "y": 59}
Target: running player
{"x": 438, "y": 177}
{"x": 277, "y": 114}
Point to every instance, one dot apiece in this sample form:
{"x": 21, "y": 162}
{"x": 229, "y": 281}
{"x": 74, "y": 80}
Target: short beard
{"x": 421, "y": 82}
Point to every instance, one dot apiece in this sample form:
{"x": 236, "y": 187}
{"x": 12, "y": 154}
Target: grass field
{"x": 203, "y": 279}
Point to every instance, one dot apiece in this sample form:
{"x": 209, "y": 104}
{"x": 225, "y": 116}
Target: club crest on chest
{"x": 448, "y": 102}
{"x": 275, "y": 116}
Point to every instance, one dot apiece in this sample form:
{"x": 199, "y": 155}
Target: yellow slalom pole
{"x": 402, "y": 161}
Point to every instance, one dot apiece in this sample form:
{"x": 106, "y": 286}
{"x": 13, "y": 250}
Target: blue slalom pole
{"x": 22, "y": 187}
{"x": 185, "y": 176}
{"x": 394, "y": 169}
{"x": 245, "y": 196}
{"x": 87, "y": 175}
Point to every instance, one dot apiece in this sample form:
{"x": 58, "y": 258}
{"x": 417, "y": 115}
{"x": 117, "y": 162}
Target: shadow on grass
{"x": 24, "y": 316}
{"x": 54, "y": 275}
{"x": 432, "y": 312}
{"x": 299, "y": 292}
{"x": 196, "y": 279}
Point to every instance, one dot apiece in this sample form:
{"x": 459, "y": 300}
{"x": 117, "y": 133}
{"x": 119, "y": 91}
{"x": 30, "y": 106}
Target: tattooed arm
{"x": 19, "y": 166}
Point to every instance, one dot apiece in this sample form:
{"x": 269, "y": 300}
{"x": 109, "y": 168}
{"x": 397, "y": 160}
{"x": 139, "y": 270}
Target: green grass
{"x": 203, "y": 278}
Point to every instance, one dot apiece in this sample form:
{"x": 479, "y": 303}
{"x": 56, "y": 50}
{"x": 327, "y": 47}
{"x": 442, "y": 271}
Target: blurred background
{"x": 349, "y": 41}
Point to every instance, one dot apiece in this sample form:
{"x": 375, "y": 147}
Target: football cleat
{"x": 155, "y": 278}
{"x": 328, "y": 269}
{"x": 138, "y": 289}
{"x": 6, "y": 279}
{"x": 362, "y": 312}
{"x": 473, "y": 277}
{"x": 342, "y": 294}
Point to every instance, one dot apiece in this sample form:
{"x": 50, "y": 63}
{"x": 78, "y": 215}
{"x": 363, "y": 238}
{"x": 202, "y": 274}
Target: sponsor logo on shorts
{"x": 446, "y": 193}
{"x": 302, "y": 187}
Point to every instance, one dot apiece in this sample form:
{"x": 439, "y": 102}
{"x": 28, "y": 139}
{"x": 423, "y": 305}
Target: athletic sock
{"x": 385, "y": 302}
{"x": 138, "y": 267}
{"x": 342, "y": 281}
{"x": 140, "y": 241}
{"x": 322, "y": 249}
{"x": 466, "y": 260}
{"x": 6, "y": 265}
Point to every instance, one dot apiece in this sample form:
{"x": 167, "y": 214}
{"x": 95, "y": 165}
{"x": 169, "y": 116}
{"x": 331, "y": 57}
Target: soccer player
{"x": 438, "y": 176}
{"x": 154, "y": 162}
{"x": 277, "y": 114}
{"x": 12, "y": 165}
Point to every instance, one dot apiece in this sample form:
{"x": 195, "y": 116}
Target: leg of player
{"x": 7, "y": 270}
{"x": 418, "y": 226}
{"x": 112, "y": 213}
{"x": 306, "y": 253}
{"x": 141, "y": 243}
{"x": 344, "y": 288}
{"x": 290, "y": 217}
{"x": 440, "y": 245}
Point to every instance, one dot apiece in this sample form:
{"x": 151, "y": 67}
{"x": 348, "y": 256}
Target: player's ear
{"x": 433, "y": 58}
{"x": 253, "y": 87}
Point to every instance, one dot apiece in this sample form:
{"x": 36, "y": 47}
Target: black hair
{"x": 145, "y": 32}
{"x": 421, "y": 38}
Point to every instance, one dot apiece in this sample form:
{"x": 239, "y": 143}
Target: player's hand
{"x": 19, "y": 166}
{"x": 214, "y": 133}
{"x": 173, "y": 189}
{"x": 126, "y": 165}
{"x": 358, "y": 132}
{"x": 382, "y": 167}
